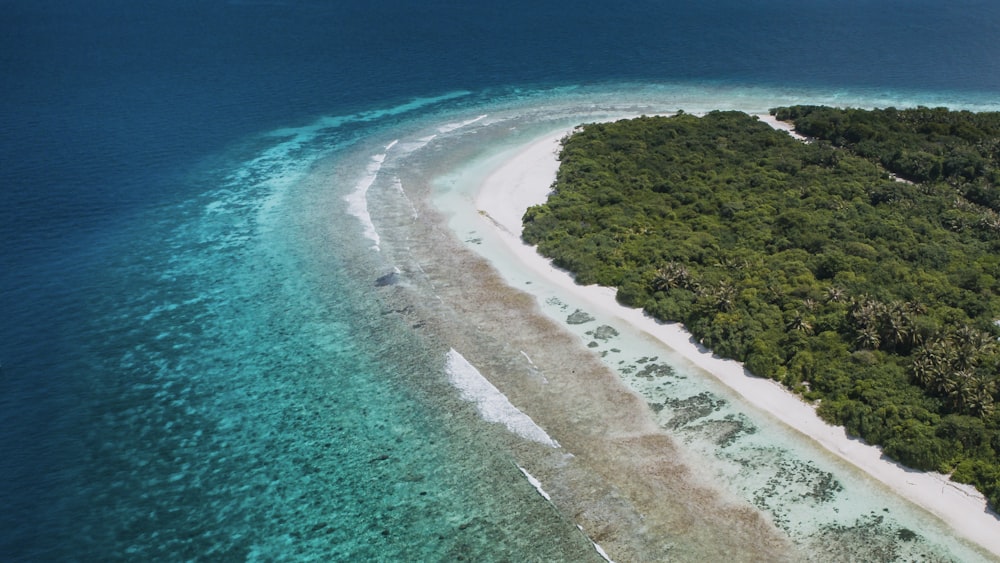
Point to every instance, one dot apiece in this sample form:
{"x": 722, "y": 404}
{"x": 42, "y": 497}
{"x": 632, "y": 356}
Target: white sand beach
{"x": 524, "y": 179}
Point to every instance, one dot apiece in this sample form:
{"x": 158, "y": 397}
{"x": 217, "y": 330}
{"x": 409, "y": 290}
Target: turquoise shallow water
{"x": 265, "y": 405}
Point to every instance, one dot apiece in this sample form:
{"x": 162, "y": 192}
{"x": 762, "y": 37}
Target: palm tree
{"x": 952, "y": 384}
{"x": 963, "y": 389}
{"x": 725, "y": 296}
{"x": 990, "y": 221}
{"x": 894, "y": 326}
{"x": 915, "y": 307}
{"x": 910, "y": 311}
{"x": 932, "y": 362}
{"x": 671, "y": 275}
{"x": 868, "y": 338}
{"x": 864, "y": 312}
{"x": 799, "y": 323}
{"x": 835, "y": 295}
{"x": 978, "y": 399}
{"x": 926, "y": 370}
{"x": 971, "y": 343}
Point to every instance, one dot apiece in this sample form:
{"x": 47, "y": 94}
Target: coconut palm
{"x": 799, "y": 323}
{"x": 931, "y": 362}
{"x": 671, "y": 275}
{"x": 926, "y": 370}
{"x": 835, "y": 295}
{"x": 990, "y": 221}
{"x": 979, "y": 398}
{"x": 969, "y": 392}
{"x": 894, "y": 326}
{"x": 971, "y": 343}
{"x": 864, "y": 312}
{"x": 953, "y": 383}
{"x": 725, "y": 296}
{"x": 868, "y": 338}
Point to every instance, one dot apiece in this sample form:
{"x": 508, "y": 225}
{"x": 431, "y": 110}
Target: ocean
{"x": 235, "y": 327}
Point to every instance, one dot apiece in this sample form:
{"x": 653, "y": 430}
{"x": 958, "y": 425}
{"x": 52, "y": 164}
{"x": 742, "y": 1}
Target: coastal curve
{"x": 524, "y": 179}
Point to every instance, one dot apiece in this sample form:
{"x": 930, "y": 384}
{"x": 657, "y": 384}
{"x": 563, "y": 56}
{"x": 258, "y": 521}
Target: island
{"x": 858, "y": 268}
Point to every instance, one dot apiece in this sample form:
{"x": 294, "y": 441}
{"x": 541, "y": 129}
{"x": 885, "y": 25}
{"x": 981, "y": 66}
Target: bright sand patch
{"x": 525, "y": 178}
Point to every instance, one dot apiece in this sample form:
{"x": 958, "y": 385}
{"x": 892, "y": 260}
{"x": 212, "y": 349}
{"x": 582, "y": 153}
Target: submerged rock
{"x": 604, "y": 332}
{"x": 392, "y": 278}
{"x": 578, "y": 318}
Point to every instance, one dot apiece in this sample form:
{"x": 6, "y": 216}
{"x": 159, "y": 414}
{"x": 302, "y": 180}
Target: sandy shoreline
{"x": 525, "y": 178}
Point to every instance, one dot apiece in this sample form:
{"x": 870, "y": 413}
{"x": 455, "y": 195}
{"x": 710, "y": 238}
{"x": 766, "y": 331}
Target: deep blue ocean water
{"x": 185, "y": 375}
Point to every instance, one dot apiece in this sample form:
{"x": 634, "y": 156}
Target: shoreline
{"x": 524, "y": 178}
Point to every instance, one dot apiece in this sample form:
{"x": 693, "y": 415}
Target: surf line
{"x": 493, "y": 406}
{"x": 541, "y": 491}
{"x": 357, "y": 200}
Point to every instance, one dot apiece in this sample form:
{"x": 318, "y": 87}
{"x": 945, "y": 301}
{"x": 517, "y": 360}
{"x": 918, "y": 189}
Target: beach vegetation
{"x": 860, "y": 269}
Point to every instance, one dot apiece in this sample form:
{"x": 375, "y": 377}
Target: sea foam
{"x": 449, "y": 127}
{"x": 597, "y": 547}
{"x": 492, "y": 405}
{"x": 535, "y": 483}
{"x": 357, "y": 200}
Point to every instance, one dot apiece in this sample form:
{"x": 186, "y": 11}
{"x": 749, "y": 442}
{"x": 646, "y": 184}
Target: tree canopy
{"x": 859, "y": 269}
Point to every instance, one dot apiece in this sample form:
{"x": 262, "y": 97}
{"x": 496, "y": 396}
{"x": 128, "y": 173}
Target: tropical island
{"x": 858, "y": 269}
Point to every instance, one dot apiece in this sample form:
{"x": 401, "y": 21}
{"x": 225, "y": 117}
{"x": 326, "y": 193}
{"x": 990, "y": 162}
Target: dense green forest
{"x": 860, "y": 269}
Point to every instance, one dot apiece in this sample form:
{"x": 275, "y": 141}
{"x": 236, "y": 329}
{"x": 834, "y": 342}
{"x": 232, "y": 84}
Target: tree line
{"x": 850, "y": 268}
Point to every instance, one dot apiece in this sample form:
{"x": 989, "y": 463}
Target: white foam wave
{"x": 597, "y": 547}
{"x": 449, "y": 127}
{"x": 492, "y": 405}
{"x": 535, "y": 483}
{"x": 357, "y": 200}
{"x": 398, "y": 184}
{"x": 601, "y": 552}
{"x": 285, "y": 163}
{"x": 333, "y": 122}
{"x": 407, "y": 147}
{"x": 533, "y": 369}
{"x": 527, "y": 357}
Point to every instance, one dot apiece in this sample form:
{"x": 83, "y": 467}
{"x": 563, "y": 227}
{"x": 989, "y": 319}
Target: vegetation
{"x": 809, "y": 262}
